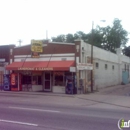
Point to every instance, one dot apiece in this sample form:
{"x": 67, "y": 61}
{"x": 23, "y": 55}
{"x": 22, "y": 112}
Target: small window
{"x": 113, "y": 67}
{"x": 97, "y": 65}
{"x": 105, "y": 66}
{"x": 128, "y": 67}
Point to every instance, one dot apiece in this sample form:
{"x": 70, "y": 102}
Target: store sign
{"x": 36, "y": 45}
{"x": 72, "y": 69}
{"x": 84, "y": 66}
{"x": 2, "y": 60}
{"x": 35, "y": 55}
{"x": 40, "y": 69}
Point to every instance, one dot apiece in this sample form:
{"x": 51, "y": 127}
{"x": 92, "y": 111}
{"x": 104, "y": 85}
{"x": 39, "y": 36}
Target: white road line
{"x": 16, "y": 122}
{"x": 31, "y": 109}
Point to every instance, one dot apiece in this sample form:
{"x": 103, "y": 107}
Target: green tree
{"x": 70, "y": 38}
{"x": 81, "y": 35}
{"x": 108, "y": 38}
{"x": 59, "y": 38}
{"x": 126, "y": 51}
{"x": 114, "y": 37}
{"x": 97, "y": 38}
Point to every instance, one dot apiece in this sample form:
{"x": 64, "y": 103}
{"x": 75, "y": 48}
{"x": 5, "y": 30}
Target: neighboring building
{"x": 5, "y": 59}
{"x": 109, "y": 68}
{"x": 51, "y": 71}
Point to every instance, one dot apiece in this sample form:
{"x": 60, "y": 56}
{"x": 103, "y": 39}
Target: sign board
{"x": 84, "y": 66}
{"x": 36, "y": 68}
{"x": 35, "y": 55}
{"x": 72, "y": 69}
{"x": 2, "y": 60}
{"x": 36, "y": 45}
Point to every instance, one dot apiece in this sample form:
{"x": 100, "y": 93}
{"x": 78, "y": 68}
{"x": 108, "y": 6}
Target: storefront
{"x": 44, "y": 66}
{"x": 33, "y": 77}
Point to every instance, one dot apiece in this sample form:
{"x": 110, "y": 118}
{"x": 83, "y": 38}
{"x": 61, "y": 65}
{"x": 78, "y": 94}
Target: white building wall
{"x": 106, "y": 77}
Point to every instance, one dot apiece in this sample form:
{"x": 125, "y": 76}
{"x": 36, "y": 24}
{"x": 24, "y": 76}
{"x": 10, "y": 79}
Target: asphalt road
{"x": 26, "y": 112}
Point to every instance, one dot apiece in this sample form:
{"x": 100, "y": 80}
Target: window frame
{"x": 106, "y": 66}
{"x": 97, "y": 65}
{"x": 62, "y": 74}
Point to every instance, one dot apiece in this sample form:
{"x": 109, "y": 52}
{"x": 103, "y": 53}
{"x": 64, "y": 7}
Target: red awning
{"x": 41, "y": 65}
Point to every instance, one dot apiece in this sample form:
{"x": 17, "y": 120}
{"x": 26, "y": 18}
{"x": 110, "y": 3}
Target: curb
{"x": 38, "y": 93}
{"x": 105, "y": 102}
{"x": 58, "y": 95}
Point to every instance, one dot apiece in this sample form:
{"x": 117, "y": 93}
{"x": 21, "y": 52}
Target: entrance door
{"x": 47, "y": 81}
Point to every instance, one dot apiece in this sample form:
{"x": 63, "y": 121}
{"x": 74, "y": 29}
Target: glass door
{"x": 47, "y": 81}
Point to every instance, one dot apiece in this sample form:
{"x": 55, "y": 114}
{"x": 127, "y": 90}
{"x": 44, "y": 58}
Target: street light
{"x": 92, "y": 54}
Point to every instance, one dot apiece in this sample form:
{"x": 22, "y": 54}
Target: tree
{"x": 97, "y": 38}
{"x": 59, "y": 38}
{"x": 70, "y": 38}
{"x": 126, "y": 51}
{"x": 114, "y": 37}
{"x": 108, "y": 38}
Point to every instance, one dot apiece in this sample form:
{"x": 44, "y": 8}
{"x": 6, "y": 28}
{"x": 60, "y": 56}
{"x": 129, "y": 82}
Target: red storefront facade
{"x": 49, "y": 72}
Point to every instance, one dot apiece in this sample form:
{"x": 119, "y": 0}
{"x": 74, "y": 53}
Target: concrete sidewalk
{"x": 123, "y": 90}
{"x": 118, "y": 95}
{"x": 104, "y": 96}
{"x": 121, "y": 101}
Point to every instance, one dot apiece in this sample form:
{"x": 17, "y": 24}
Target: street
{"x": 38, "y": 112}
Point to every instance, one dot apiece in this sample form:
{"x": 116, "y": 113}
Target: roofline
{"x": 62, "y": 43}
{"x": 28, "y": 45}
{"x": 7, "y": 45}
{"x": 22, "y": 46}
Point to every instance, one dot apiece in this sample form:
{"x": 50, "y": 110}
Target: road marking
{"x": 16, "y": 122}
{"x": 31, "y": 109}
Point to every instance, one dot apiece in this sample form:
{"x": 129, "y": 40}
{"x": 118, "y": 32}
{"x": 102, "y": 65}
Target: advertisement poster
{"x": 14, "y": 82}
{"x": 6, "y": 82}
{"x": 69, "y": 85}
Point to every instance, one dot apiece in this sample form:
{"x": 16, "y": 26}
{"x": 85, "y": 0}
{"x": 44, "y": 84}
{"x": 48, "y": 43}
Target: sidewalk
{"x": 109, "y": 96}
{"x": 121, "y": 90}
{"x": 118, "y": 95}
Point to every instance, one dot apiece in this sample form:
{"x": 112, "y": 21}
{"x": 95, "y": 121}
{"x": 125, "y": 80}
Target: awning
{"x": 41, "y": 65}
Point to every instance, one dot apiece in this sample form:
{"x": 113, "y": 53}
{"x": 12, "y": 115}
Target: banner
{"x": 36, "y": 45}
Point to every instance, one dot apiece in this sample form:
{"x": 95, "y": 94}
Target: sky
{"x": 29, "y": 19}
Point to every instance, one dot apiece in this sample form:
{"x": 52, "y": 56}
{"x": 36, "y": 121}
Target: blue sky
{"x": 29, "y": 19}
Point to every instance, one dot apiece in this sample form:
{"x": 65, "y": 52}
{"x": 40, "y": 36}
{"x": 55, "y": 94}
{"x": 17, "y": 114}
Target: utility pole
{"x": 92, "y": 57}
{"x": 20, "y": 41}
{"x": 92, "y": 53}
{"x": 46, "y": 35}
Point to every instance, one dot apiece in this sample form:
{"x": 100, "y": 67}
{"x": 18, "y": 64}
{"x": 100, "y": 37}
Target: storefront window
{"x": 59, "y": 79}
{"x": 37, "y": 80}
{"x": 26, "y": 79}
